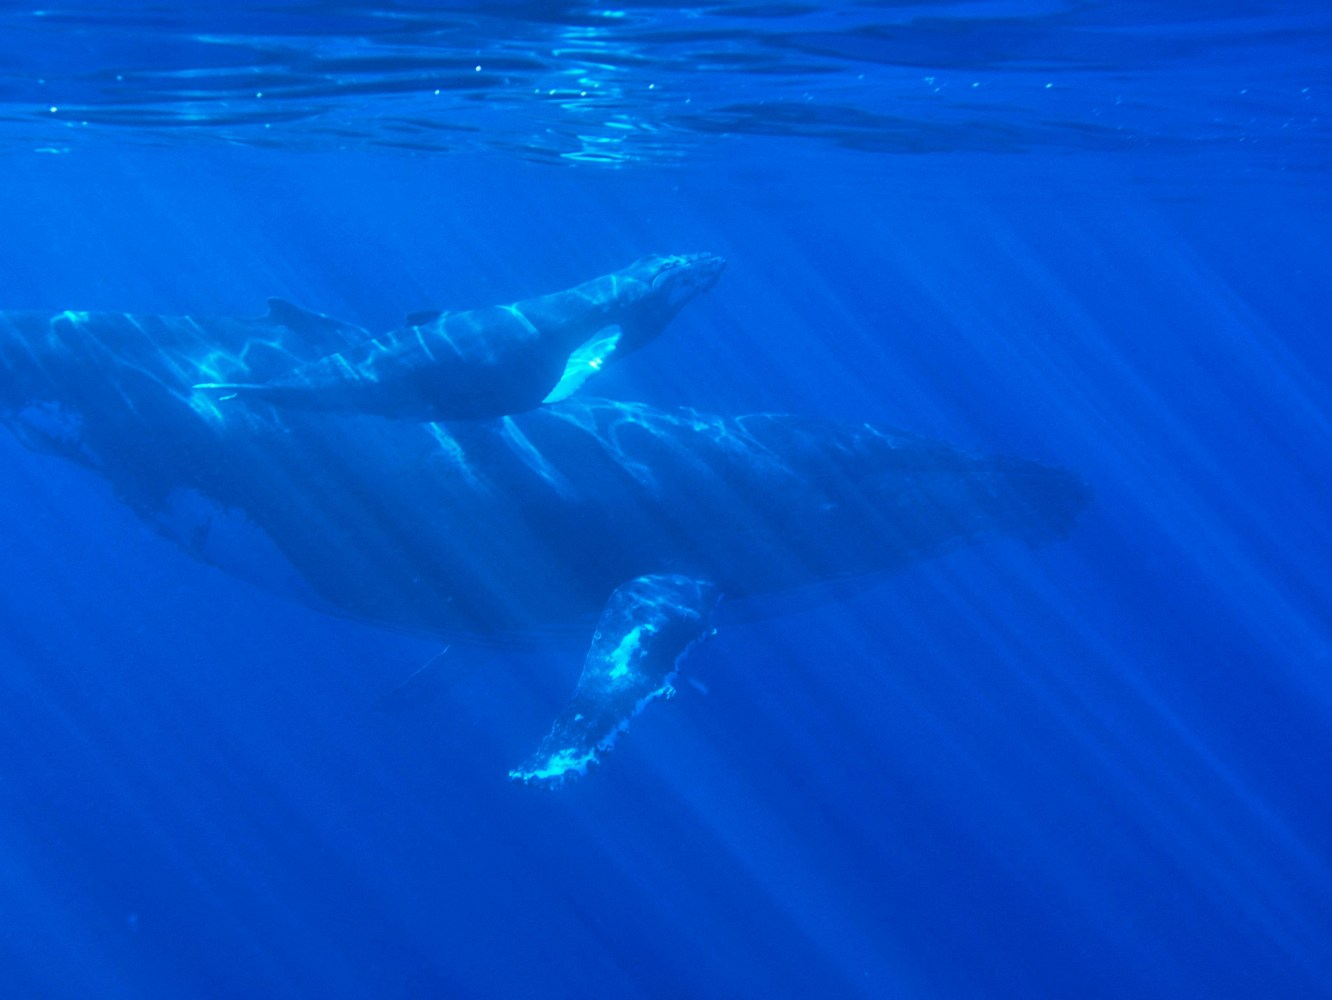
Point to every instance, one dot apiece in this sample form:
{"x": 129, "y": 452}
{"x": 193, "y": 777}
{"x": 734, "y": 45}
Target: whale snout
{"x": 699, "y": 268}
{"x": 704, "y": 267}
{"x": 680, "y": 277}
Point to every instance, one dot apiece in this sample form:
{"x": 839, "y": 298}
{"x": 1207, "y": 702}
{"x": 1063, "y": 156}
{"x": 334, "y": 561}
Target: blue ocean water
{"x": 1091, "y": 234}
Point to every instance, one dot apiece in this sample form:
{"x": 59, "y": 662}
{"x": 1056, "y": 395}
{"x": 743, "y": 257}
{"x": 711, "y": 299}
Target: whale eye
{"x": 666, "y": 270}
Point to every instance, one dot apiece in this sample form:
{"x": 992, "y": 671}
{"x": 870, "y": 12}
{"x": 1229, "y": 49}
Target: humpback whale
{"x": 498, "y": 360}
{"x": 638, "y": 526}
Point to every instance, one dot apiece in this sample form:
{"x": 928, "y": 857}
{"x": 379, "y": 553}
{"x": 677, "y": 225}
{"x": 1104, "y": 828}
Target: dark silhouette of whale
{"x": 498, "y": 360}
{"x": 618, "y": 518}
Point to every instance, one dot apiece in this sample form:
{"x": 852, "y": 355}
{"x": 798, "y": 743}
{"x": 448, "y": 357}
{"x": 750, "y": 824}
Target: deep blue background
{"x": 1095, "y": 769}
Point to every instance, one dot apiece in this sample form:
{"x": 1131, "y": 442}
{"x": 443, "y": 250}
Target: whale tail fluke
{"x": 1045, "y": 502}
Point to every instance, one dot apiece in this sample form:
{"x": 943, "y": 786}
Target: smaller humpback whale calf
{"x": 495, "y": 361}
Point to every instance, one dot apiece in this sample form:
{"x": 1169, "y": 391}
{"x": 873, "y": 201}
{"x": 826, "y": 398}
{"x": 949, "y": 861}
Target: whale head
{"x": 651, "y": 291}
{"x": 677, "y": 278}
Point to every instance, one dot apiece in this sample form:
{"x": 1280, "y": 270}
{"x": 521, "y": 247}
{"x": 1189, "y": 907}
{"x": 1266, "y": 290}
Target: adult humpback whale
{"x": 498, "y": 360}
{"x": 625, "y": 520}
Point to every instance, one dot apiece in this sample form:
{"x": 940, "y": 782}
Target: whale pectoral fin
{"x": 646, "y": 628}
{"x": 586, "y": 360}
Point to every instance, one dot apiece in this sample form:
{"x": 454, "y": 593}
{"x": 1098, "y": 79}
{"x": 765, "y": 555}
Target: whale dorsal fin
{"x": 302, "y": 320}
{"x": 586, "y": 360}
{"x": 422, "y": 317}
